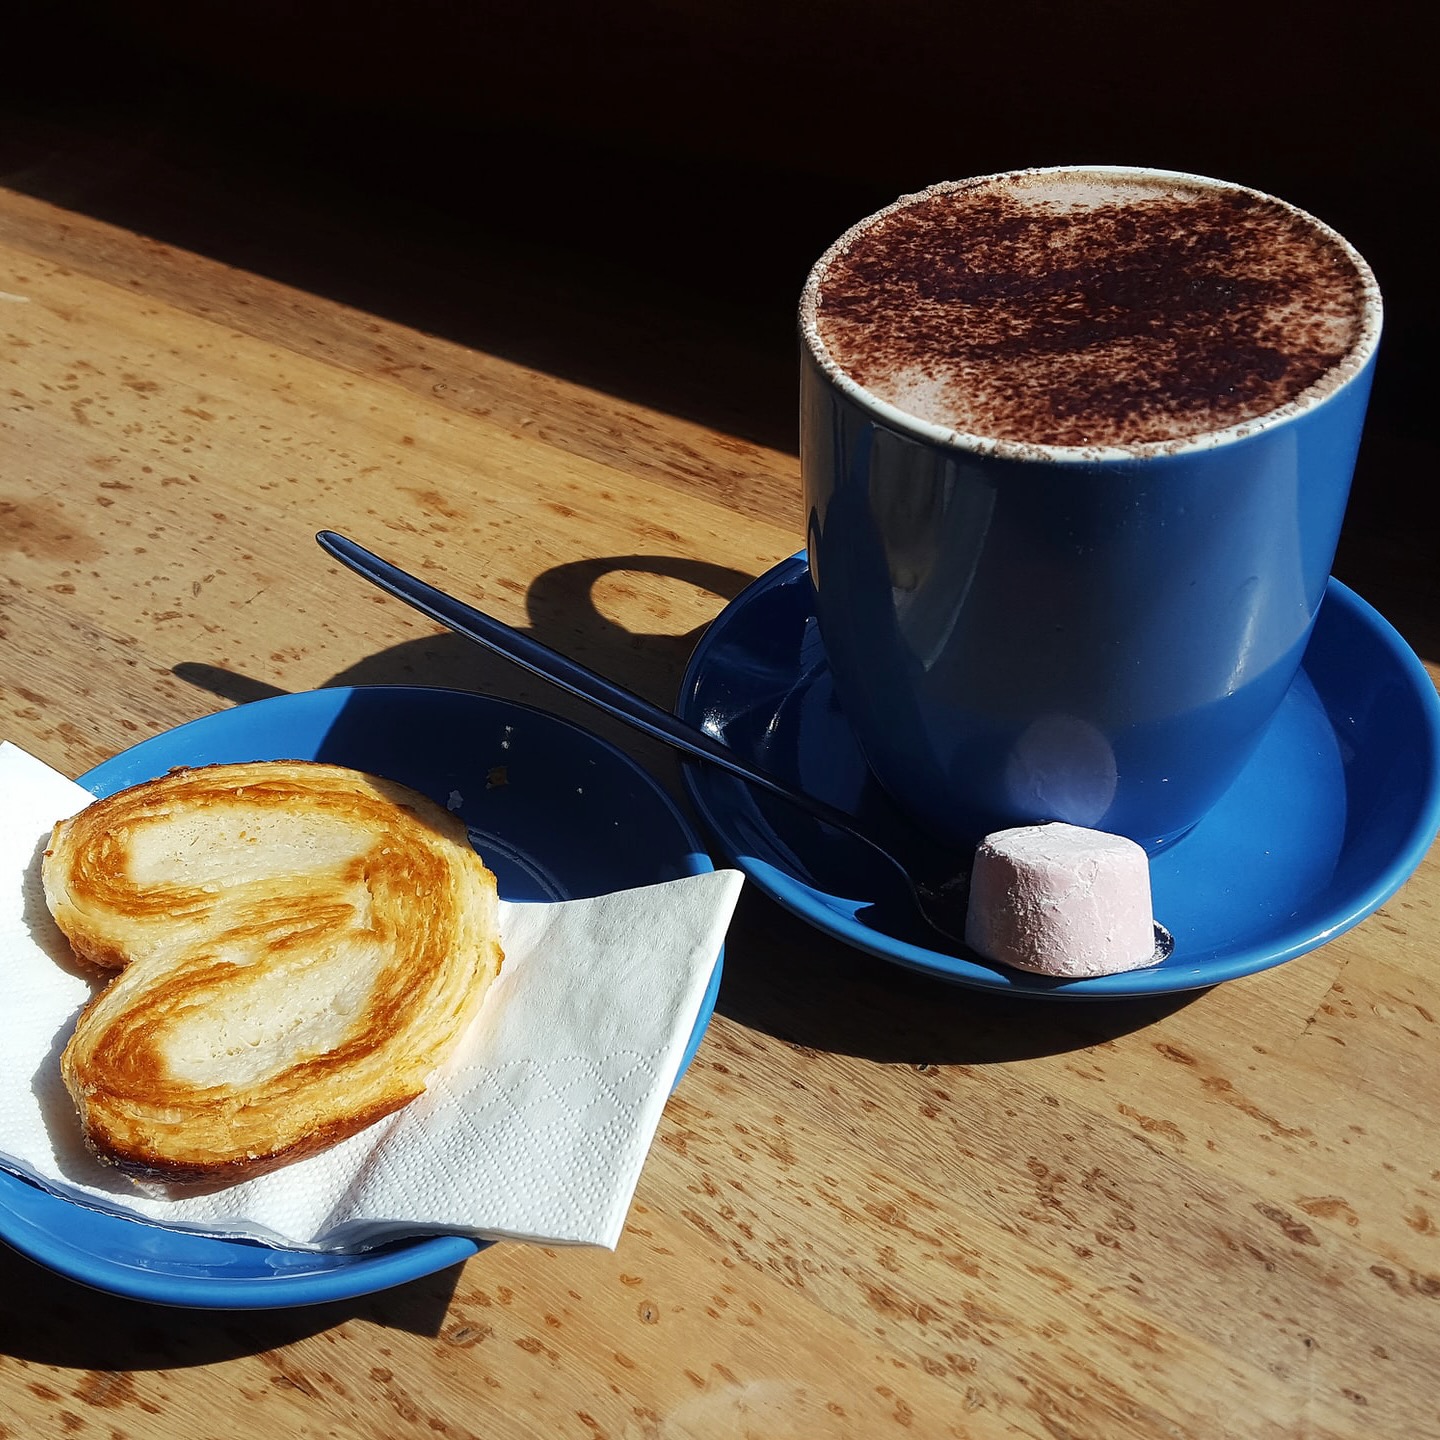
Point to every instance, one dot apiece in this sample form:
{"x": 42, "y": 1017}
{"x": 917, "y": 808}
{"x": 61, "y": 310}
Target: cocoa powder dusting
{"x": 1089, "y": 312}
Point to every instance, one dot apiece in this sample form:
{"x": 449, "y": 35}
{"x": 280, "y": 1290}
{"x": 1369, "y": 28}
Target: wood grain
{"x": 877, "y": 1205}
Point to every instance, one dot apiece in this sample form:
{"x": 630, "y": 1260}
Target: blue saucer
{"x": 557, "y": 813}
{"x": 1333, "y": 813}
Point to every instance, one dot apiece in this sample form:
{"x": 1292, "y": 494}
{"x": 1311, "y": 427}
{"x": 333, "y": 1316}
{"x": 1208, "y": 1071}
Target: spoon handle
{"x": 568, "y": 674}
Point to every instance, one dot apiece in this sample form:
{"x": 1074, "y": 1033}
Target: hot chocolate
{"x": 1091, "y": 308}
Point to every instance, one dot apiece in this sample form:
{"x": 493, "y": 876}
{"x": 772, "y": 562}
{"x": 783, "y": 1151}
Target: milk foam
{"x": 1094, "y": 307}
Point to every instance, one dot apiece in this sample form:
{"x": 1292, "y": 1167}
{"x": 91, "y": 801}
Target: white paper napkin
{"x": 537, "y": 1131}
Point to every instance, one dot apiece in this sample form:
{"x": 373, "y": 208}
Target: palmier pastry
{"x": 298, "y": 948}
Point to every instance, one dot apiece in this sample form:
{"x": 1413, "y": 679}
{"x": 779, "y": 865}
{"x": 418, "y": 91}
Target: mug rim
{"x": 1331, "y": 384}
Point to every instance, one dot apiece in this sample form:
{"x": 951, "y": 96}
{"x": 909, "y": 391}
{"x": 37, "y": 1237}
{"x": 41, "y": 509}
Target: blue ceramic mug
{"x": 1034, "y": 619}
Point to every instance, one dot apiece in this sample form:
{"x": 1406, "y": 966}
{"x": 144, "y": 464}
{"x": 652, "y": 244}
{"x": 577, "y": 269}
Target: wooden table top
{"x": 878, "y": 1205}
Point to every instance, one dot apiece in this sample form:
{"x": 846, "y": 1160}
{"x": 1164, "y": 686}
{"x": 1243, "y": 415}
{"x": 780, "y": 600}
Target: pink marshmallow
{"x": 1061, "y": 900}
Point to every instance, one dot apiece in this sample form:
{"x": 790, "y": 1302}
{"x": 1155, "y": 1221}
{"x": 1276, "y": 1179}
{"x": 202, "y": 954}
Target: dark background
{"x": 610, "y": 192}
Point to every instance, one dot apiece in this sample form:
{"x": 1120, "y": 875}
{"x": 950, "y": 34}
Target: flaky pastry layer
{"x": 297, "y": 949}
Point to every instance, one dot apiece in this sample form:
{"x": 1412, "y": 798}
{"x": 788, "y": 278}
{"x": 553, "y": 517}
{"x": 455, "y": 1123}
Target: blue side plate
{"x": 557, "y": 812}
{"x": 1335, "y": 810}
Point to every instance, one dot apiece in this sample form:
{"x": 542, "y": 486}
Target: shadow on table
{"x": 808, "y": 990}
{"x": 563, "y": 614}
{"x": 64, "y": 1323}
{"x": 600, "y": 210}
